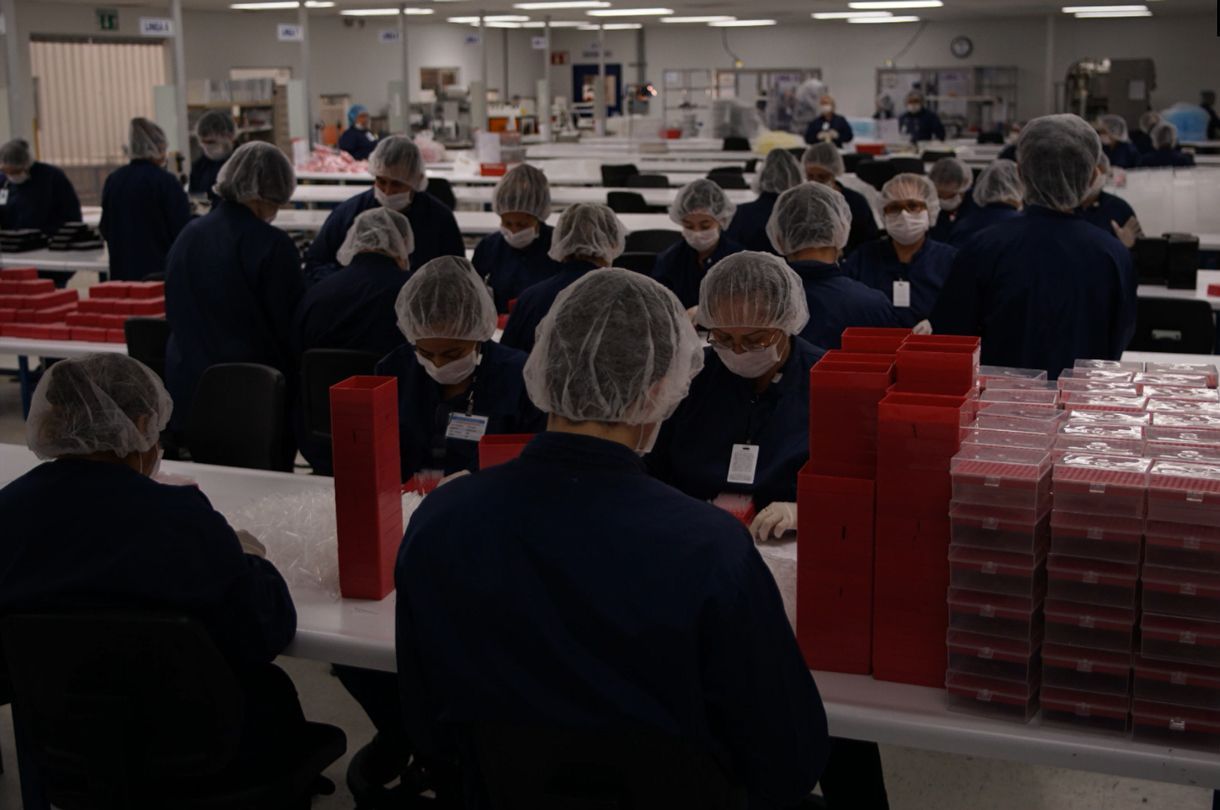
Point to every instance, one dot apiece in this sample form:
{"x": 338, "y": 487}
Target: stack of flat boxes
{"x": 32, "y": 308}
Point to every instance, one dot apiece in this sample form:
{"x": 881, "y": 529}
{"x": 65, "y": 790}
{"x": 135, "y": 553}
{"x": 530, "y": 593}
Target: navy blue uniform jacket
{"x": 45, "y": 201}
{"x": 204, "y": 172}
{"x": 723, "y": 409}
{"x": 509, "y": 271}
{"x": 359, "y": 143}
{"x": 876, "y": 264}
{"x": 749, "y": 225}
{"x": 924, "y": 125}
{"x": 570, "y": 588}
{"x": 1124, "y": 154}
{"x": 432, "y": 224}
{"x": 143, "y": 210}
{"x": 836, "y": 122}
{"x": 535, "y": 302}
{"x": 1108, "y": 208}
{"x": 353, "y": 309}
{"x": 837, "y": 302}
{"x": 863, "y": 223}
{"x": 1163, "y": 158}
{"x": 978, "y": 219}
{"x": 423, "y": 416}
{"x": 679, "y": 269}
{"x": 1042, "y": 291}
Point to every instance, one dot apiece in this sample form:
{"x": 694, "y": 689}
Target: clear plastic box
{"x": 1181, "y": 492}
{"x": 1009, "y": 438}
{"x": 1183, "y": 451}
{"x": 1001, "y": 572}
{"x": 1104, "y": 417}
{"x": 1182, "y": 545}
{"x": 1002, "y": 476}
{"x": 1208, "y": 421}
{"x": 1092, "y": 429}
{"x": 1178, "y": 684}
{"x": 1017, "y": 384}
{"x": 991, "y": 614}
{"x": 1098, "y": 711}
{"x": 1207, "y": 370}
{"x": 1010, "y": 700}
{"x": 1182, "y": 394}
{"x": 1106, "y": 673}
{"x": 1096, "y": 536}
{"x": 1006, "y": 416}
{"x": 989, "y": 373}
{"x": 981, "y": 527}
{"x": 1093, "y": 627}
{"x": 1092, "y": 582}
{"x": 1205, "y": 436}
{"x": 1174, "y": 638}
{"x": 1108, "y": 403}
{"x": 1174, "y": 380}
{"x": 1008, "y": 659}
{"x": 1039, "y": 398}
{"x": 1097, "y": 446}
{"x": 1182, "y": 406}
{"x": 1099, "y": 374}
{"x": 1069, "y": 386}
{"x": 1101, "y": 485}
{"x": 1135, "y": 366}
{"x": 1175, "y": 725}
{"x": 1181, "y": 592}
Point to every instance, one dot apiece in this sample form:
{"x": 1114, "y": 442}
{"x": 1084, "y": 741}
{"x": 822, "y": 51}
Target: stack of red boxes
{"x": 31, "y": 307}
{"x": 101, "y": 317}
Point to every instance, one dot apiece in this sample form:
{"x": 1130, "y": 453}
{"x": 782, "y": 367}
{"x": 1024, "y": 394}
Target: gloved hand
{"x": 772, "y": 522}
{"x": 1127, "y": 234}
{"x": 924, "y": 327}
{"x": 451, "y": 477}
{"x": 250, "y": 544}
{"x": 828, "y": 135}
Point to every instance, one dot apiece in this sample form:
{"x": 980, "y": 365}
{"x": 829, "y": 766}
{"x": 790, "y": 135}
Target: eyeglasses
{"x": 911, "y": 206}
{"x": 753, "y": 342}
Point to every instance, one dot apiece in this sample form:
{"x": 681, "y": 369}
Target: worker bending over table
{"x": 703, "y": 211}
{"x": 517, "y": 255}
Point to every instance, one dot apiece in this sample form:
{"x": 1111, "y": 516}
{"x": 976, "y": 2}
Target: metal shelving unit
{"x": 968, "y": 99}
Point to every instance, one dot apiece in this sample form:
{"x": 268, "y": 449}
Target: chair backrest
{"x": 639, "y": 261}
{"x": 117, "y": 705}
{"x": 146, "y": 341}
{"x": 737, "y": 169}
{"x": 627, "y": 202}
{"x": 933, "y": 155}
{"x": 598, "y": 770}
{"x": 851, "y": 160}
{"x": 647, "y": 181}
{"x": 751, "y": 166}
{"x": 991, "y": 137}
{"x": 614, "y": 175}
{"x": 907, "y": 165}
{"x": 239, "y": 418}
{"x": 876, "y": 172}
{"x": 651, "y": 241}
{"x": 320, "y": 369}
{"x": 797, "y": 152}
{"x": 440, "y": 188}
{"x": 1178, "y": 325}
{"x": 736, "y": 144}
{"x": 729, "y": 180}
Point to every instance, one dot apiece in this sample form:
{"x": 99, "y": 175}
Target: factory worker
{"x": 906, "y": 265}
{"x": 34, "y": 194}
{"x": 953, "y": 180}
{"x": 809, "y": 228}
{"x": 357, "y": 140}
{"x": 1142, "y": 137}
{"x": 144, "y": 207}
{"x": 1108, "y": 211}
{"x": 455, "y": 384}
{"x": 1045, "y": 288}
{"x": 1207, "y": 100}
{"x": 823, "y": 164}
{"x": 587, "y": 237}
{"x": 233, "y": 279}
{"x": 704, "y": 211}
{"x": 399, "y": 182}
{"x": 128, "y": 541}
{"x": 515, "y": 257}
{"x": 1165, "y": 149}
{"x": 1116, "y": 143}
{"x": 217, "y": 134}
{"x": 997, "y": 198}
{"x": 918, "y": 122}
{"x": 628, "y": 602}
{"x": 829, "y": 126}
{"x": 780, "y": 171}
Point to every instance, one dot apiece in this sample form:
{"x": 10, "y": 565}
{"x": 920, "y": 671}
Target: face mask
{"x": 645, "y": 445}
{"x": 906, "y": 228}
{"x": 952, "y": 203}
{"x": 453, "y": 372}
{"x": 701, "y": 241}
{"x": 520, "y": 239}
{"x": 914, "y": 108}
{"x": 395, "y": 202}
{"x": 218, "y": 151}
{"x": 750, "y": 365}
{"x": 18, "y": 179}
{"x": 826, "y": 109}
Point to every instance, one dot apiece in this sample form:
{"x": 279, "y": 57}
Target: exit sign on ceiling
{"x": 108, "y": 19}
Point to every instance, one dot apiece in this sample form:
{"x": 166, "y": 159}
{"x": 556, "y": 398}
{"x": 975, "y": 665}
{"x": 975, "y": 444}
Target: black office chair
{"x": 876, "y": 172}
{"x": 735, "y": 144}
{"x": 933, "y": 155}
{"x": 1181, "y": 326}
{"x": 239, "y": 418}
{"x": 440, "y": 188}
{"x": 651, "y": 241}
{"x": 851, "y": 160}
{"x": 639, "y": 261}
{"x": 320, "y": 369}
{"x": 614, "y": 175}
{"x": 135, "y": 710}
{"x": 996, "y": 138}
{"x": 907, "y": 165}
{"x": 627, "y": 202}
{"x": 729, "y": 181}
{"x": 751, "y": 166}
{"x": 647, "y": 181}
{"x": 146, "y": 341}
{"x": 599, "y": 770}
{"x": 726, "y": 170}
{"x": 798, "y": 152}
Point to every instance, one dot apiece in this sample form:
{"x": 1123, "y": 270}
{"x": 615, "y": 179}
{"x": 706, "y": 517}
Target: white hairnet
{"x": 999, "y": 182}
{"x": 397, "y": 157}
{"x": 1057, "y": 156}
{"x": 809, "y": 216}
{"x": 378, "y": 230}
{"x": 1116, "y": 125}
{"x": 780, "y": 172}
{"x": 1164, "y": 135}
{"x": 145, "y": 140}
{"x": 1149, "y": 120}
{"x": 951, "y": 172}
{"x": 97, "y": 403}
{"x": 752, "y": 289}
{"x": 588, "y": 229}
{"x": 616, "y": 347}
{"x": 16, "y": 153}
{"x": 910, "y": 186}
{"x": 826, "y": 155}
{"x": 446, "y": 299}
{"x": 257, "y": 171}
{"x": 215, "y": 123}
{"x": 525, "y": 190}
{"x": 702, "y": 196}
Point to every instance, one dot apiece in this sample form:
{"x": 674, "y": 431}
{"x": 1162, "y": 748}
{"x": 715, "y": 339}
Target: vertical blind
{"x": 88, "y": 91}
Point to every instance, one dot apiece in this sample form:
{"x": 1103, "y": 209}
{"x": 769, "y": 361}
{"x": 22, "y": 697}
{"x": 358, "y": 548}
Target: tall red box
{"x": 501, "y": 447}
{"x": 368, "y": 492}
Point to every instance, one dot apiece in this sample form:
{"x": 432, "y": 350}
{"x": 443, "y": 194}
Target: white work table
{"x": 60, "y": 261}
{"x": 361, "y": 633}
{"x": 482, "y": 195}
{"x": 1205, "y": 278}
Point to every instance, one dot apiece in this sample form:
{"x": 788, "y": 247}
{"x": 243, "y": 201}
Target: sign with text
{"x": 472, "y": 39}
{"x": 538, "y": 43}
{"x": 156, "y": 27}
{"x": 288, "y": 32}
{"x": 108, "y": 19}
{"x": 387, "y": 36}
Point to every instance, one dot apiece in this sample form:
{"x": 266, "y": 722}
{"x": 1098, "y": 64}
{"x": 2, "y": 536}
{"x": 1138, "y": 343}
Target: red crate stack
{"x": 32, "y": 308}
{"x": 368, "y": 490}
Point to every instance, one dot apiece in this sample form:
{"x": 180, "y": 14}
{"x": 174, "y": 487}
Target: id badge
{"x": 743, "y": 463}
{"x": 902, "y": 294}
{"x": 467, "y": 428}
{"x": 4, "y": 196}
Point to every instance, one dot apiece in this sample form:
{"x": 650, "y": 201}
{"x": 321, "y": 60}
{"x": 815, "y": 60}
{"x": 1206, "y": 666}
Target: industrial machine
{"x": 1110, "y": 86}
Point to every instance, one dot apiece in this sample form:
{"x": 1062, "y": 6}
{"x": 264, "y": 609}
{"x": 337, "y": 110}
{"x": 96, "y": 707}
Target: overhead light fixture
{"x": 554, "y": 24}
{"x": 613, "y": 27}
{"x": 861, "y": 20}
{"x": 369, "y": 12}
{"x": 896, "y": 4}
{"x": 696, "y": 19}
{"x": 490, "y": 18}
{"x": 848, "y": 15}
{"x": 741, "y": 23}
{"x": 319, "y": 4}
{"x": 275, "y": 5}
{"x": 1104, "y": 9}
{"x": 1097, "y": 15}
{"x": 563, "y": 4}
{"x": 499, "y": 25}
{"x": 631, "y": 12}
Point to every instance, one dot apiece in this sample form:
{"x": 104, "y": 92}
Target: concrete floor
{"x": 915, "y": 779}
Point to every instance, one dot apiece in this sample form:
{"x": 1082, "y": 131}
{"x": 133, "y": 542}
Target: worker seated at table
{"x": 628, "y": 605}
{"x": 953, "y": 180}
{"x": 588, "y": 236}
{"x": 780, "y": 171}
{"x": 357, "y": 140}
{"x": 144, "y": 207}
{"x": 1108, "y": 211}
{"x": 128, "y": 541}
{"x": 809, "y": 228}
{"x": 398, "y": 184}
{"x": 997, "y": 198}
{"x": 1045, "y": 288}
{"x": 233, "y": 280}
{"x": 516, "y": 256}
{"x": 34, "y": 194}
{"x": 823, "y": 164}
{"x": 1142, "y": 137}
{"x": 703, "y": 211}
{"x": 217, "y": 134}
{"x": 918, "y": 122}
{"x": 1116, "y": 142}
{"x": 906, "y": 265}
{"x": 1165, "y": 149}
{"x": 829, "y": 126}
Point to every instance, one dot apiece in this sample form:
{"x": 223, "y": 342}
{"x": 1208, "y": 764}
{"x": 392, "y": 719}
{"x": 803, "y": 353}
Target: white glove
{"x": 452, "y": 477}
{"x": 250, "y": 544}
{"x": 924, "y": 327}
{"x": 772, "y": 522}
{"x": 827, "y": 135}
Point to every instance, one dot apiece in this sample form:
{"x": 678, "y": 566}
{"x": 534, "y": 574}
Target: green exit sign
{"x": 108, "y": 19}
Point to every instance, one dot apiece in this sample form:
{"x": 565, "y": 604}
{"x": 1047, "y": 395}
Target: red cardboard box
{"x": 500, "y": 448}
{"x": 35, "y": 303}
{"x": 110, "y": 289}
{"x": 910, "y": 587}
{"x": 89, "y": 333}
{"x": 145, "y": 289}
{"x": 873, "y": 339}
{"x": 18, "y": 273}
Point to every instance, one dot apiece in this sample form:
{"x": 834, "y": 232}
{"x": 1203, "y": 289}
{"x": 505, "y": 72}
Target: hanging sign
{"x": 156, "y": 27}
{"x": 288, "y": 32}
{"x": 538, "y": 43}
{"x": 108, "y": 19}
{"x": 387, "y": 36}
